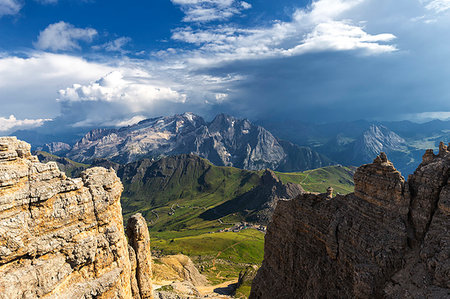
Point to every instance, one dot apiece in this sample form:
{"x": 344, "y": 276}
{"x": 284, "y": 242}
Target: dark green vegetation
{"x": 176, "y": 193}
{"x": 173, "y": 192}
{"x": 71, "y": 168}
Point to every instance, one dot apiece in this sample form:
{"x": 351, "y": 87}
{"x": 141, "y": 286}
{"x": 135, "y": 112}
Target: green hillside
{"x": 318, "y": 180}
{"x": 175, "y": 194}
{"x": 180, "y": 196}
{"x": 172, "y": 192}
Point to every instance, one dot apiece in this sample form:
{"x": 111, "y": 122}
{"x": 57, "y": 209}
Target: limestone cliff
{"x": 388, "y": 239}
{"x": 62, "y": 237}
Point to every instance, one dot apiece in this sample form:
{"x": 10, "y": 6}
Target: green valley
{"x": 191, "y": 204}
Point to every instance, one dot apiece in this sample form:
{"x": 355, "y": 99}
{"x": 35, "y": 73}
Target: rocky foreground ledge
{"x": 64, "y": 238}
{"x": 388, "y": 239}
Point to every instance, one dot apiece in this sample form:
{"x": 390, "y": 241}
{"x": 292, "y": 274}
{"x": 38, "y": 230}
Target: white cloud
{"x": 322, "y": 26}
{"x": 339, "y": 36}
{"x": 426, "y": 116}
{"x": 29, "y": 85}
{"x": 12, "y": 123}
{"x": 115, "y": 45}
{"x": 9, "y": 7}
{"x": 63, "y": 36}
{"x": 137, "y": 87}
{"x": 202, "y": 11}
{"x": 438, "y": 6}
{"x": 122, "y": 97}
{"x": 220, "y": 97}
{"x": 114, "y": 88}
{"x": 129, "y": 122}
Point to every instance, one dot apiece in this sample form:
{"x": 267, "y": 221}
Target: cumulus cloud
{"x": 307, "y": 67}
{"x": 63, "y": 36}
{"x": 8, "y": 124}
{"x": 339, "y": 36}
{"x": 29, "y": 85}
{"x": 117, "y": 97}
{"x": 322, "y": 26}
{"x": 9, "y": 7}
{"x": 202, "y": 11}
{"x": 114, "y": 88}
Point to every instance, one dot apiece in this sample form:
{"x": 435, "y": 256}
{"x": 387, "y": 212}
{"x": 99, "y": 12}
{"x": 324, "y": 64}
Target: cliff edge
{"x": 388, "y": 239}
{"x": 64, "y": 238}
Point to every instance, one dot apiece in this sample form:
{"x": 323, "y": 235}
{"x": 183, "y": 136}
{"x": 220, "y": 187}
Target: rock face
{"x": 377, "y": 139}
{"x": 388, "y": 239}
{"x": 61, "y": 237}
{"x": 225, "y": 141}
{"x": 185, "y": 269}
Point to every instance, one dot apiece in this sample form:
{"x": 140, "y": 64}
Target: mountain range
{"x": 228, "y": 141}
{"x": 225, "y": 141}
{"x": 358, "y": 142}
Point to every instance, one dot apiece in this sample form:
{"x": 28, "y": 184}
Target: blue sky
{"x": 112, "y": 63}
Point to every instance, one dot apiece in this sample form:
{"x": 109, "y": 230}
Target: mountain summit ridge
{"x": 225, "y": 141}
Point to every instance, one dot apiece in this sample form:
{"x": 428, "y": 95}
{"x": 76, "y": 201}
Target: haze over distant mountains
{"x": 229, "y": 141}
{"x": 358, "y": 142}
{"x": 225, "y": 141}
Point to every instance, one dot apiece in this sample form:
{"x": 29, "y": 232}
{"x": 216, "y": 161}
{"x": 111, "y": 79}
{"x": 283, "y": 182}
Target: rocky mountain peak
{"x": 388, "y": 239}
{"x": 226, "y": 141}
{"x": 374, "y": 140}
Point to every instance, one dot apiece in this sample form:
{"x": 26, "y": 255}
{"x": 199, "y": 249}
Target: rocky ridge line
{"x": 225, "y": 141}
{"x": 62, "y": 237}
{"x": 388, "y": 239}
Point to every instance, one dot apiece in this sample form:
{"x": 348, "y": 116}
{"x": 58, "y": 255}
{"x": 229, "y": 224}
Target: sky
{"x": 91, "y": 63}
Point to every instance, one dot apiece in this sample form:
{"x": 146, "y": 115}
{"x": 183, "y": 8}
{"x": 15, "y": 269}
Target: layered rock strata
{"x": 388, "y": 239}
{"x": 61, "y": 237}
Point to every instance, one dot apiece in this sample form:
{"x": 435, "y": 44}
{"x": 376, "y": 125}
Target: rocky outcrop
{"x": 178, "y": 278}
{"x": 184, "y": 268}
{"x": 390, "y": 238}
{"x": 138, "y": 236}
{"x": 60, "y": 237}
